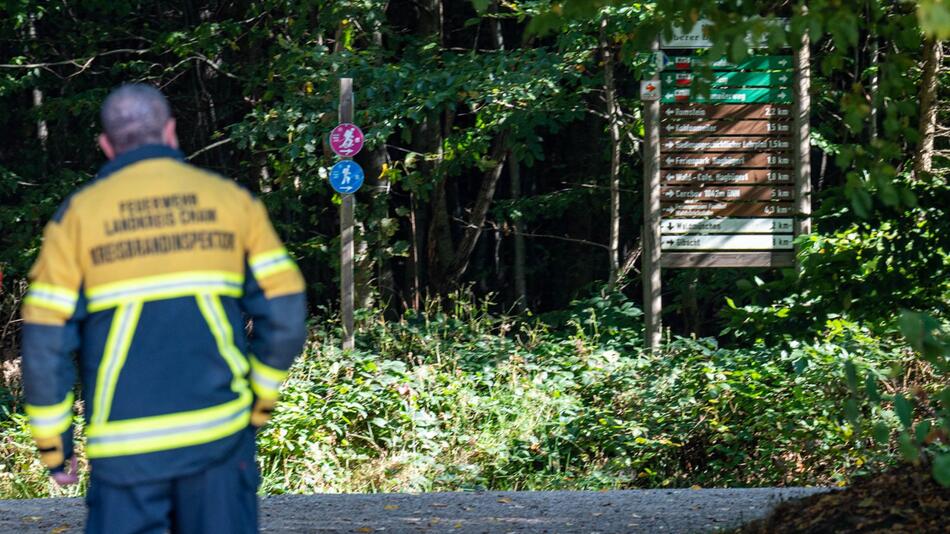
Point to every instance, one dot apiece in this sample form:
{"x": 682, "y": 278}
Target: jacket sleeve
{"x": 51, "y": 314}
{"x": 274, "y": 299}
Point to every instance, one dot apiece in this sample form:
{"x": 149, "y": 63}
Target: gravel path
{"x": 653, "y": 511}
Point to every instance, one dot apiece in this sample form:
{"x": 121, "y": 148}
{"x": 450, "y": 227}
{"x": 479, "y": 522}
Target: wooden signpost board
{"x": 726, "y": 167}
{"x": 727, "y": 111}
{"x": 739, "y": 127}
{"x": 731, "y": 160}
{"x": 731, "y": 193}
{"x": 727, "y": 209}
{"x": 731, "y": 176}
{"x": 724, "y": 144}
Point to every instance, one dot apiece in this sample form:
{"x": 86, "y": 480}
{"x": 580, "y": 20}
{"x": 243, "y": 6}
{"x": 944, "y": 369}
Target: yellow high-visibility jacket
{"x": 149, "y": 273}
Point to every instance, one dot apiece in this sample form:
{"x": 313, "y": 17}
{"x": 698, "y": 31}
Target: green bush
{"x": 468, "y": 399}
{"x": 571, "y": 401}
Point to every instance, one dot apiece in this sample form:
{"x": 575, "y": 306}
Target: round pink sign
{"x": 346, "y": 140}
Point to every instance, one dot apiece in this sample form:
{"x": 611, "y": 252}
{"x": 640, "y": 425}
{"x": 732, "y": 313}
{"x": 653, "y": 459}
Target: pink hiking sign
{"x": 346, "y": 140}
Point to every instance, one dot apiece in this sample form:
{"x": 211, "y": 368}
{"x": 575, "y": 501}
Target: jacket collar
{"x": 136, "y": 155}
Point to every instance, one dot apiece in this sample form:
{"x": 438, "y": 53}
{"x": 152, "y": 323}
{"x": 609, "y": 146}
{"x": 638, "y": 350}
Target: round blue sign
{"x": 346, "y": 177}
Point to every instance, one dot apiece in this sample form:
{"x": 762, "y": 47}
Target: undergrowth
{"x": 468, "y": 399}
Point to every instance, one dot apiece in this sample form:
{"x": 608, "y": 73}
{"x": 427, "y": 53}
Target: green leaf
{"x": 904, "y": 410}
{"x": 862, "y": 203}
{"x": 870, "y": 386}
{"x": 921, "y": 431}
{"x": 851, "y": 411}
{"x": 481, "y": 6}
{"x": 739, "y": 49}
{"x": 851, "y": 373}
{"x": 934, "y": 17}
{"x": 941, "y": 469}
{"x": 908, "y": 449}
{"x": 882, "y": 434}
{"x": 923, "y": 333}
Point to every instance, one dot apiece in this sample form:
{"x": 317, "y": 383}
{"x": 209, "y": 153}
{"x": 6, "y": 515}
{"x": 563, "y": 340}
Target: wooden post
{"x": 652, "y": 297}
{"x": 346, "y": 230}
{"x": 802, "y": 113}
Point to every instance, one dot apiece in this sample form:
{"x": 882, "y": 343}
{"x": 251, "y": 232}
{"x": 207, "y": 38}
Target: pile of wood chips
{"x": 906, "y": 499}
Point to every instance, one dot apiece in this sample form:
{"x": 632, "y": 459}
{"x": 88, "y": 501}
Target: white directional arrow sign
{"x": 726, "y": 225}
{"x": 727, "y": 242}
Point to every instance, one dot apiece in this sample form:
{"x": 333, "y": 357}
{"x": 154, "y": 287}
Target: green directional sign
{"x": 731, "y": 79}
{"x": 751, "y": 63}
{"x": 673, "y": 95}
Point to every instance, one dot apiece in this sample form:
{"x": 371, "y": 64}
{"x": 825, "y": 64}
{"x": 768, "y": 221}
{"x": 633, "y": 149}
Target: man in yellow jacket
{"x": 149, "y": 273}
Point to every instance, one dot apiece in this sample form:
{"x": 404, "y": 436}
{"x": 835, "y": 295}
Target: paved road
{"x": 653, "y": 511}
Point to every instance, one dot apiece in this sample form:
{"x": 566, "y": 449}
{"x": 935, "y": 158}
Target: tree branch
{"x": 82, "y": 63}
{"x": 212, "y": 146}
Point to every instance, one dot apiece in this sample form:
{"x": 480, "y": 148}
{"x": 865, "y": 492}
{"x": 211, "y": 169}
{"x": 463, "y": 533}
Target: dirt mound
{"x": 906, "y": 499}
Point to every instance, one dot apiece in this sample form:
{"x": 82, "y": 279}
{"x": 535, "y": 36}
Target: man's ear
{"x": 106, "y": 146}
{"x": 169, "y": 136}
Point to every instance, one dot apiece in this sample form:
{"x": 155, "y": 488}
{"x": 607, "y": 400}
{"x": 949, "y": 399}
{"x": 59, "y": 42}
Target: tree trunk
{"x": 614, "y": 126}
{"x": 923, "y": 162}
{"x": 521, "y": 286}
{"x": 373, "y": 273}
{"x": 42, "y": 130}
{"x": 494, "y": 25}
{"x": 875, "y": 86}
{"x": 416, "y": 270}
{"x": 427, "y": 140}
{"x": 473, "y": 230}
{"x": 440, "y": 246}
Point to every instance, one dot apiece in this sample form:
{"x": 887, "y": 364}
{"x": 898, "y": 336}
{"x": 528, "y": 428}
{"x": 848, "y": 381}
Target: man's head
{"x": 134, "y": 115}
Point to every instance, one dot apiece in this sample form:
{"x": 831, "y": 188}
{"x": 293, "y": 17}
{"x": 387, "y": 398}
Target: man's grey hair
{"x": 134, "y": 115}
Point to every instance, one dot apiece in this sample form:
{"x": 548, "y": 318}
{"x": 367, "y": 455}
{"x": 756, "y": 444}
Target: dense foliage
{"x": 470, "y": 400}
{"x": 487, "y": 124}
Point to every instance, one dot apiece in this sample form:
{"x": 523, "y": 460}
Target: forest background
{"x": 499, "y": 340}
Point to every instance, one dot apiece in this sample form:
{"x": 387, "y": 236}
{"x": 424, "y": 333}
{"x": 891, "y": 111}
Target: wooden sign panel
{"x": 697, "y": 260}
{"x": 732, "y": 176}
{"x": 725, "y": 144}
{"x": 726, "y": 111}
{"x": 728, "y": 160}
{"x": 726, "y": 225}
{"x": 702, "y": 210}
{"x": 740, "y": 193}
{"x": 730, "y": 79}
{"x": 727, "y": 242}
{"x": 760, "y": 127}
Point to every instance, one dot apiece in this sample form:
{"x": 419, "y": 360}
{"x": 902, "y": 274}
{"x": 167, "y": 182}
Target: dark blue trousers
{"x": 222, "y": 498}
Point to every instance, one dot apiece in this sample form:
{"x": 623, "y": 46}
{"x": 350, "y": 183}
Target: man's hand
{"x": 57, "y": 455}
{"x": 260, "y": 414}
{"x": 66, "y": 474}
